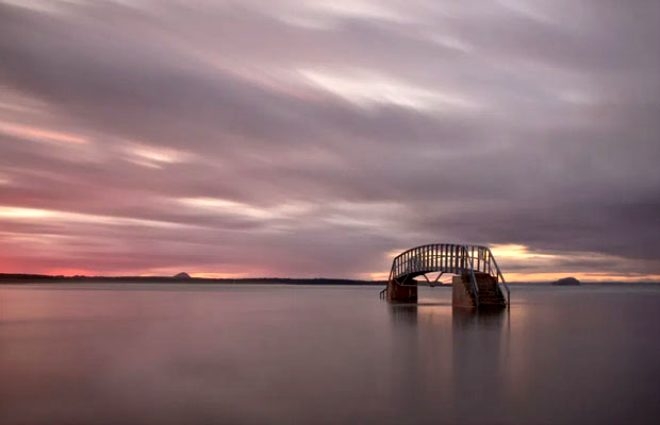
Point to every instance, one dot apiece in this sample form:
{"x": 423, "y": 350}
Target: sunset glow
{"x": 322, "y": 138}
{"x": 373, "y": 90}
{"x": 39, "y": 135}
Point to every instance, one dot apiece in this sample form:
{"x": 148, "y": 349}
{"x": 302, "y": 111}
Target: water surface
{"x": 202, "y": 354}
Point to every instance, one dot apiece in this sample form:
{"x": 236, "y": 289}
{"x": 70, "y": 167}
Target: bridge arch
{"x": 475, "y": 264}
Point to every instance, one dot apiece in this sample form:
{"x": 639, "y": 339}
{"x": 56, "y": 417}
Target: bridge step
{"x": 489, "y": 292}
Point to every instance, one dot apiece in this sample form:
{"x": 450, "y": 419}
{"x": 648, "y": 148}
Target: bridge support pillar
{"x": 460, "y": 294}
{"x": 402, "y": 293}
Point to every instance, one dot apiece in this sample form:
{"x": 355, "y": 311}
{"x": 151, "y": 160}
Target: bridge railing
{"x": 449, "y": 258}
{"x": 484, "y": 262}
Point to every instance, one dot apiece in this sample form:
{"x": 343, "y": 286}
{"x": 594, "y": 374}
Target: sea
{"x": 133, "y": 354}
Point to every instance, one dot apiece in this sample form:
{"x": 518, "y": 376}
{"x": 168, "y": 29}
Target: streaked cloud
{"x": 370, "y": 89}
{"x": 40, "y": 135}
{"x": 241, "y": 209}
{"x": 9, "y": 213}
{"x": 321, "y": 137}
{"x": 153, "y": 156}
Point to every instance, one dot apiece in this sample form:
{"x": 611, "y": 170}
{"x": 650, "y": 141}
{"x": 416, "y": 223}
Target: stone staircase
{"x": 490, "y": 294}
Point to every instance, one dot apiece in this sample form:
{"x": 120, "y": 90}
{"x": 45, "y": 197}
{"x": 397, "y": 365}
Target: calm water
{"x": 189, "y": 354}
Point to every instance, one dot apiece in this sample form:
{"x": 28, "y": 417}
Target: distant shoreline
{"x": 24, "y": 278}
{"x": 20, "y": 278}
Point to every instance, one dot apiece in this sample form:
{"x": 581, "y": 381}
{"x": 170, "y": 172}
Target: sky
{"x": 321, "y": 138}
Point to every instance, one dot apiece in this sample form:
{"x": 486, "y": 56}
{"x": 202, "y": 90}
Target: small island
{"x": 567, "y": 281}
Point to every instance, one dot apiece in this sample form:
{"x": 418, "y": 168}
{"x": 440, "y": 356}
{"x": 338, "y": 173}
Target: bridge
{"x": 478, "y": 280}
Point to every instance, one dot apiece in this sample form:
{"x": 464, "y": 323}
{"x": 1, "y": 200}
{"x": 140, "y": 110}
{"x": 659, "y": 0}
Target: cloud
{"x": 304, "y": 138}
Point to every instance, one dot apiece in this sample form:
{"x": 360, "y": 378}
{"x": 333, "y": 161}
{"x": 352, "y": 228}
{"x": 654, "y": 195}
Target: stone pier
{"x": 402, "y": 293}
{"x": 460, "y": 294}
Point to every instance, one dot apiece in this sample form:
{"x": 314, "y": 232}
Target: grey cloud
{"x": 560, "y": 154}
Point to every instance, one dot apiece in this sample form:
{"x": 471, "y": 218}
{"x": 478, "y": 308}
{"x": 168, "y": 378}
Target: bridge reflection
{"x": 467, "y": 319}
{"x": 455, "y": 355}
{"x": 443, "y": 313}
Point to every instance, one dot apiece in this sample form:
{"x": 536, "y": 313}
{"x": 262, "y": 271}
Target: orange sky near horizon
{"x": 504, "y": 254}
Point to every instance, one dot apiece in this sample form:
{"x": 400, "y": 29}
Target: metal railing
{"x": 448, "y": 258}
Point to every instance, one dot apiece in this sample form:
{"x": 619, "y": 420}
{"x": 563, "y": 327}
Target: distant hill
{"x": 567, "y": 281}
